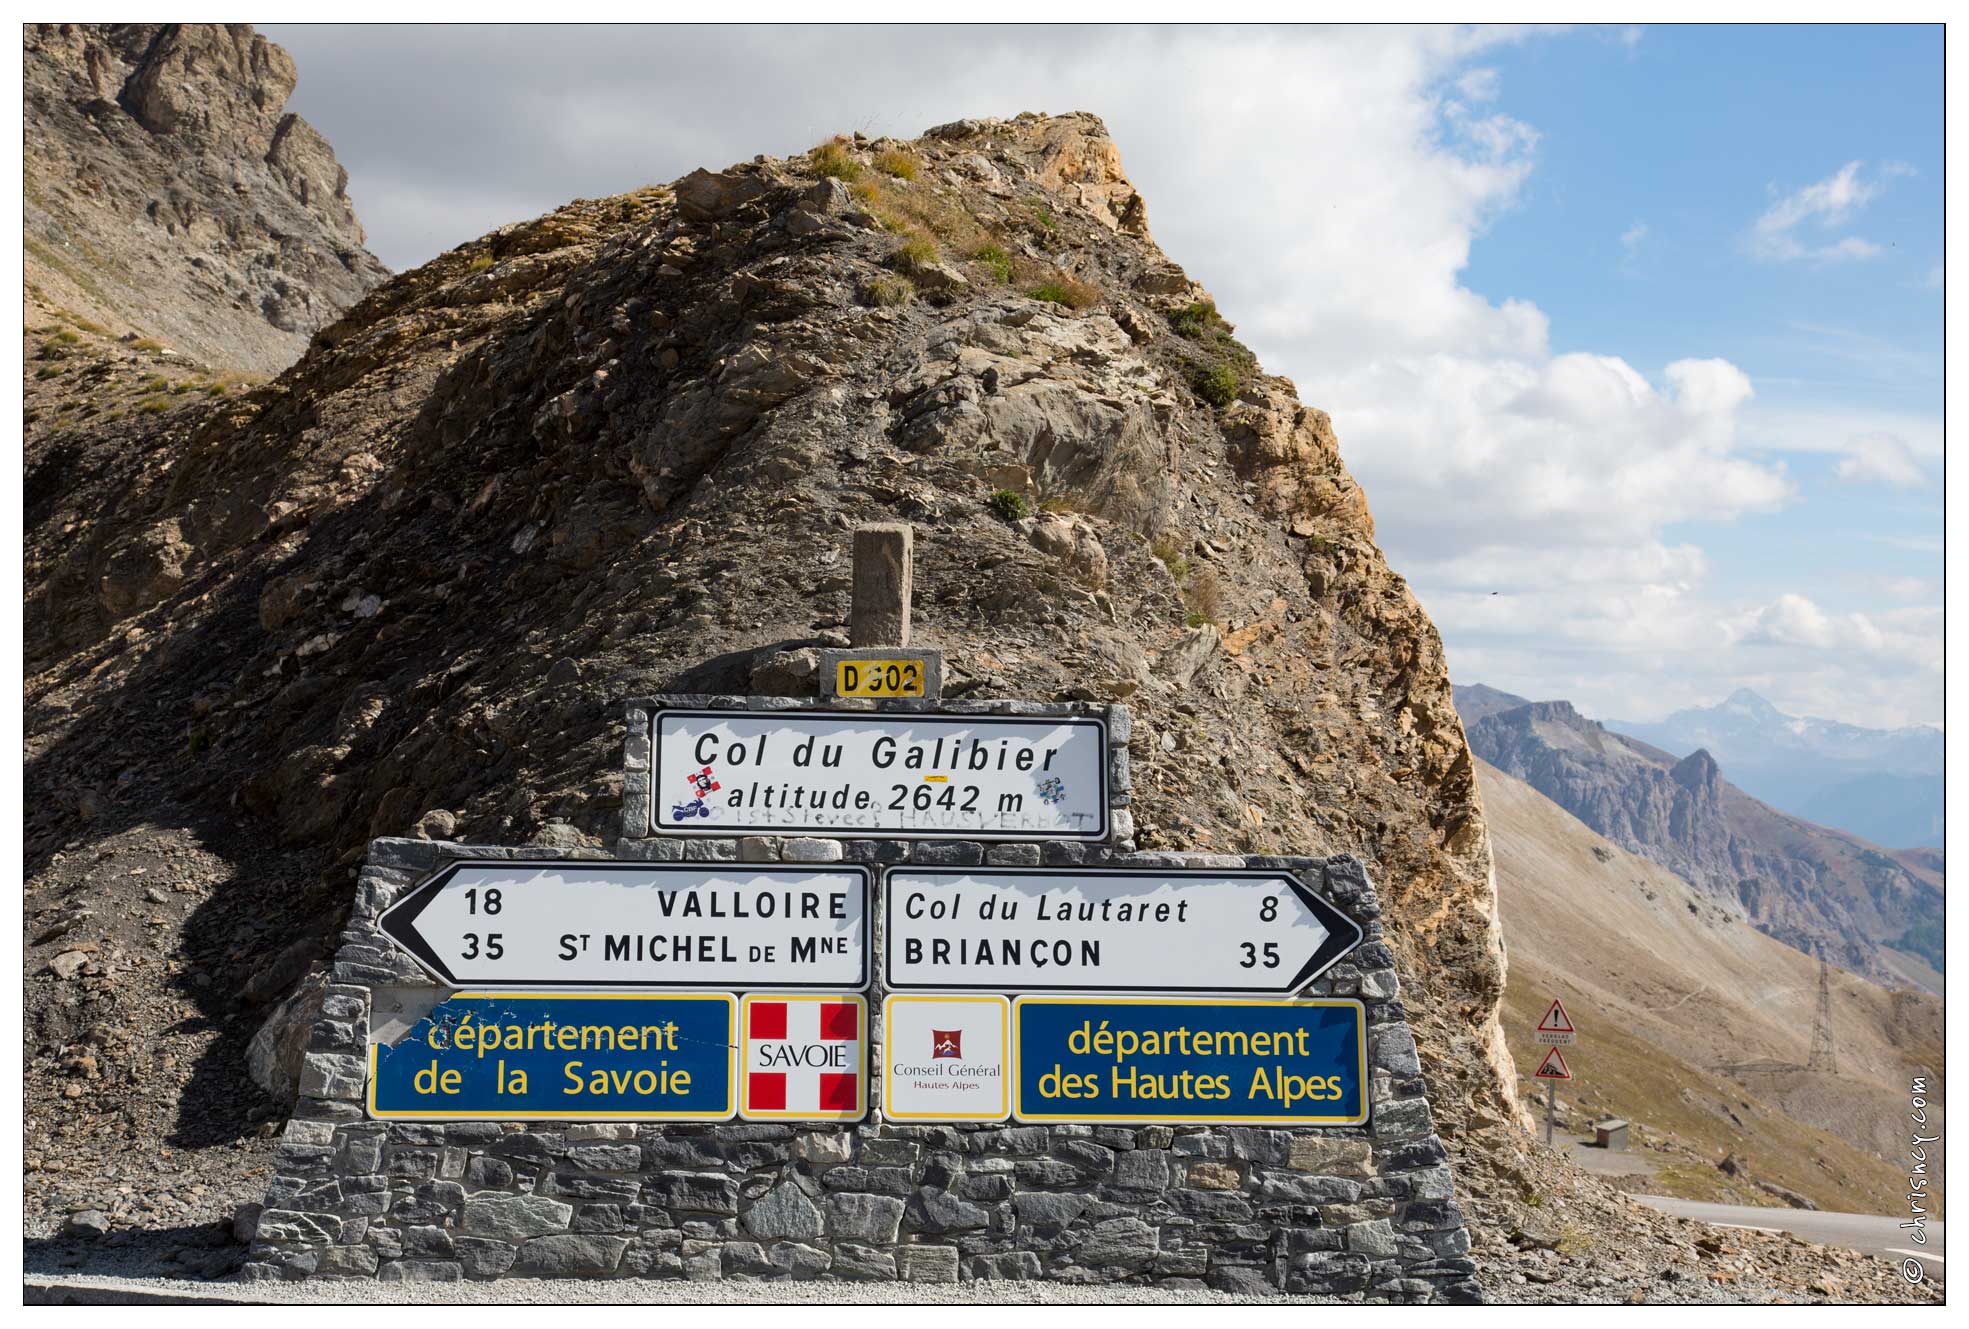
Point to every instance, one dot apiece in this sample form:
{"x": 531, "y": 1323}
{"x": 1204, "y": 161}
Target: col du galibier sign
{"x": 855, "y": 773}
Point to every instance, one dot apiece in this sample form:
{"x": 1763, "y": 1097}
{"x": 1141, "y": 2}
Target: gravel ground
{"x": 630, "y": 1291}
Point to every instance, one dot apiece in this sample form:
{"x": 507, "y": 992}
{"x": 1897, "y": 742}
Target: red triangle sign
{"x": 1556, "y": 1020}
{"x": 1553, "y": 1067}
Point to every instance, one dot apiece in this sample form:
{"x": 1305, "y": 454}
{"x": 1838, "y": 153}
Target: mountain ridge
{"x": 1883, "y": 785}
{"x": 1819, "y": 890}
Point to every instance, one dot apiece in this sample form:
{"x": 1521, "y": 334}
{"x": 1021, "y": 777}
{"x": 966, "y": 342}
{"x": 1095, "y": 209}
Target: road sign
{"x": 880, "y": 678}
{"x": 1108, "y": 930}
{"x": 514, "y": 1056}
{"x": 863, "y": 773}
{"x": 1556, "y": 1029}
{"x": 946, "y": 1058}
{"x": 497, "y": 923}
{"x": 1553, "y": 1067}
{"x": 803, "y": 1057}
{"x": 1142, "y": 1059}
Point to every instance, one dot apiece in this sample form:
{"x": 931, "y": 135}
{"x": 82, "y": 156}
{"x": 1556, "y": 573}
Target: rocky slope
{"x": 1813, "y": 888}
{"x": 170, "y": 198}
{"x": 619, "y": 450}
{"x": 1696, "y": 1026}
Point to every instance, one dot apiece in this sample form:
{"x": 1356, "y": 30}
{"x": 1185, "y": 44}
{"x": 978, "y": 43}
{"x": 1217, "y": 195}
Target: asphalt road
{"x": 1868, "y": 1233}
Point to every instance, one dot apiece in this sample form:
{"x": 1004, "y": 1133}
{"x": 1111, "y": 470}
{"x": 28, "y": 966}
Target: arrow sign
{"x": 1553, "y": 1067}
{"x": 1556, "y": 1029}
{"x": 590, "y": 923}
{"x": 1108, "y": 930}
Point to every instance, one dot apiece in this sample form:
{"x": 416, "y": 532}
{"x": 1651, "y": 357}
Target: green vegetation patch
{"x": 832, "y": 159}
{"x": 1007, "y": 503}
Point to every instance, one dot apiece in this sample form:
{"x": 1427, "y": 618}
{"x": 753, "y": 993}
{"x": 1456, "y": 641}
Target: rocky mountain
{"x": 1696, "y": 1026}
{"x": 620, "y": 449}
{"x": 172, "y": 200}
{"x": 1884, "y": 785}
{"x": 1818, "y": 890}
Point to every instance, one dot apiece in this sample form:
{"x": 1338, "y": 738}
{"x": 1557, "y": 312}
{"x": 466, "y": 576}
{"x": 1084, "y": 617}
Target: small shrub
{"x": 152, "y": 381}
{"x": 1194, "y": 620}
{"x": 51, "y": 371}
{"x": 1060, "y": 503}
{"x": 479, "y": 263}
{"x": 995, "y": 261}
{"x": 886, "y": 291}
{"x": 1195, "y": 319}
{"x": 1007, "y": 503}
{"x": 215, "y": 389}
{"x": 154, "y": 405}
{"x": 1170, "y": 557}
{"x": 832, "y": 159}
{"x": 1204, "y": 594}
{"x": 149, "y": 345}
{"x": 865, "y": 191}
{"x": 914, "y": 254}
{"x": 1042, "y": 217}
{"x": 1216, "y": 384}
{"x": 894, "y": 161}
{"x": 64, "y": 337}
{"x": 76, "y": 320}
{"x": 1068, "y": 291}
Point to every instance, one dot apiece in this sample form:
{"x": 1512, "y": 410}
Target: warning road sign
{"x": 1553, "y": 1067}
{"x": 1556, "y": 1029}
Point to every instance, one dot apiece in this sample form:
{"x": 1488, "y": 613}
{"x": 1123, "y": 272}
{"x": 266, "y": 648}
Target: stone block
{"x": 515, "y": 1218}
{"x": 883, "y": 585}
{"x": 871, "y": 1219}
{"x": 928, "y": 1264}
{"x": 570, "y": 1255}
{"x": 805, "y": 849}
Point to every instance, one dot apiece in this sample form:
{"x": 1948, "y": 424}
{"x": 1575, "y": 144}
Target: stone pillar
{"x": 883, "y": 582}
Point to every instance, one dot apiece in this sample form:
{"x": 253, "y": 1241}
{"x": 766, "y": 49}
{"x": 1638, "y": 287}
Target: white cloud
{"x": 1881, "y": 459}
{"x": 1327, "y": 186}
{"x": 1826, "y": 205}
{"x": 1633, "y": 237}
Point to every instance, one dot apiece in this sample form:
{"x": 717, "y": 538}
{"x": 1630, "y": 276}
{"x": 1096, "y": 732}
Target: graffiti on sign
{"x": 860, "y": 773}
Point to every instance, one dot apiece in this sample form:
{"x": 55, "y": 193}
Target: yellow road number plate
{"x": 879, "y": 678}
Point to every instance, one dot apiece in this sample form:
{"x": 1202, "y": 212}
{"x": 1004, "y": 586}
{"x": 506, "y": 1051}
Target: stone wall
{"x": 1360, "y": 1212}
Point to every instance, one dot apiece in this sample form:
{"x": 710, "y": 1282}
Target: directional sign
{"x": 1556, "y": 1029}
{"x": 1553, "y": 1067}
{"x": 1301, "y": 1063}
{"x": 490, "y": 923}
{"x": 515, "y": 1056}
{"x": 860, "y": 773}
{"x": 1108, "y": 930}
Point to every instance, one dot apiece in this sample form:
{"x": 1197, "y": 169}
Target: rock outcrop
{"x": 1813, "y": 888}
{"x": 171, "y": 197}
{"x": 619, "y": 450}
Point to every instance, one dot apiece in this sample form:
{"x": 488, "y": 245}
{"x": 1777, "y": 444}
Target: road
{"x": 1869, "y": 1233}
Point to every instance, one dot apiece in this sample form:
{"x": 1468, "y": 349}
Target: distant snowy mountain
{"x": 1884, "y": 785}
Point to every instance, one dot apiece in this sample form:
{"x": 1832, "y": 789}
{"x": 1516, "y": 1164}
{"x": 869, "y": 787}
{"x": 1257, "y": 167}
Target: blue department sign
{"x": 1122, "y": 1059}
{"x": 515, "y": 1056}
{"x": 864, "y": 773}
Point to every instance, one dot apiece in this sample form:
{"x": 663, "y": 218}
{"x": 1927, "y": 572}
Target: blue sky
{"x": 1639, "y": 329}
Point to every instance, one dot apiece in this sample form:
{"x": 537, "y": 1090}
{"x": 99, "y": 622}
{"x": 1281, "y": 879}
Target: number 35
{"x": 1251, "y": 955}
